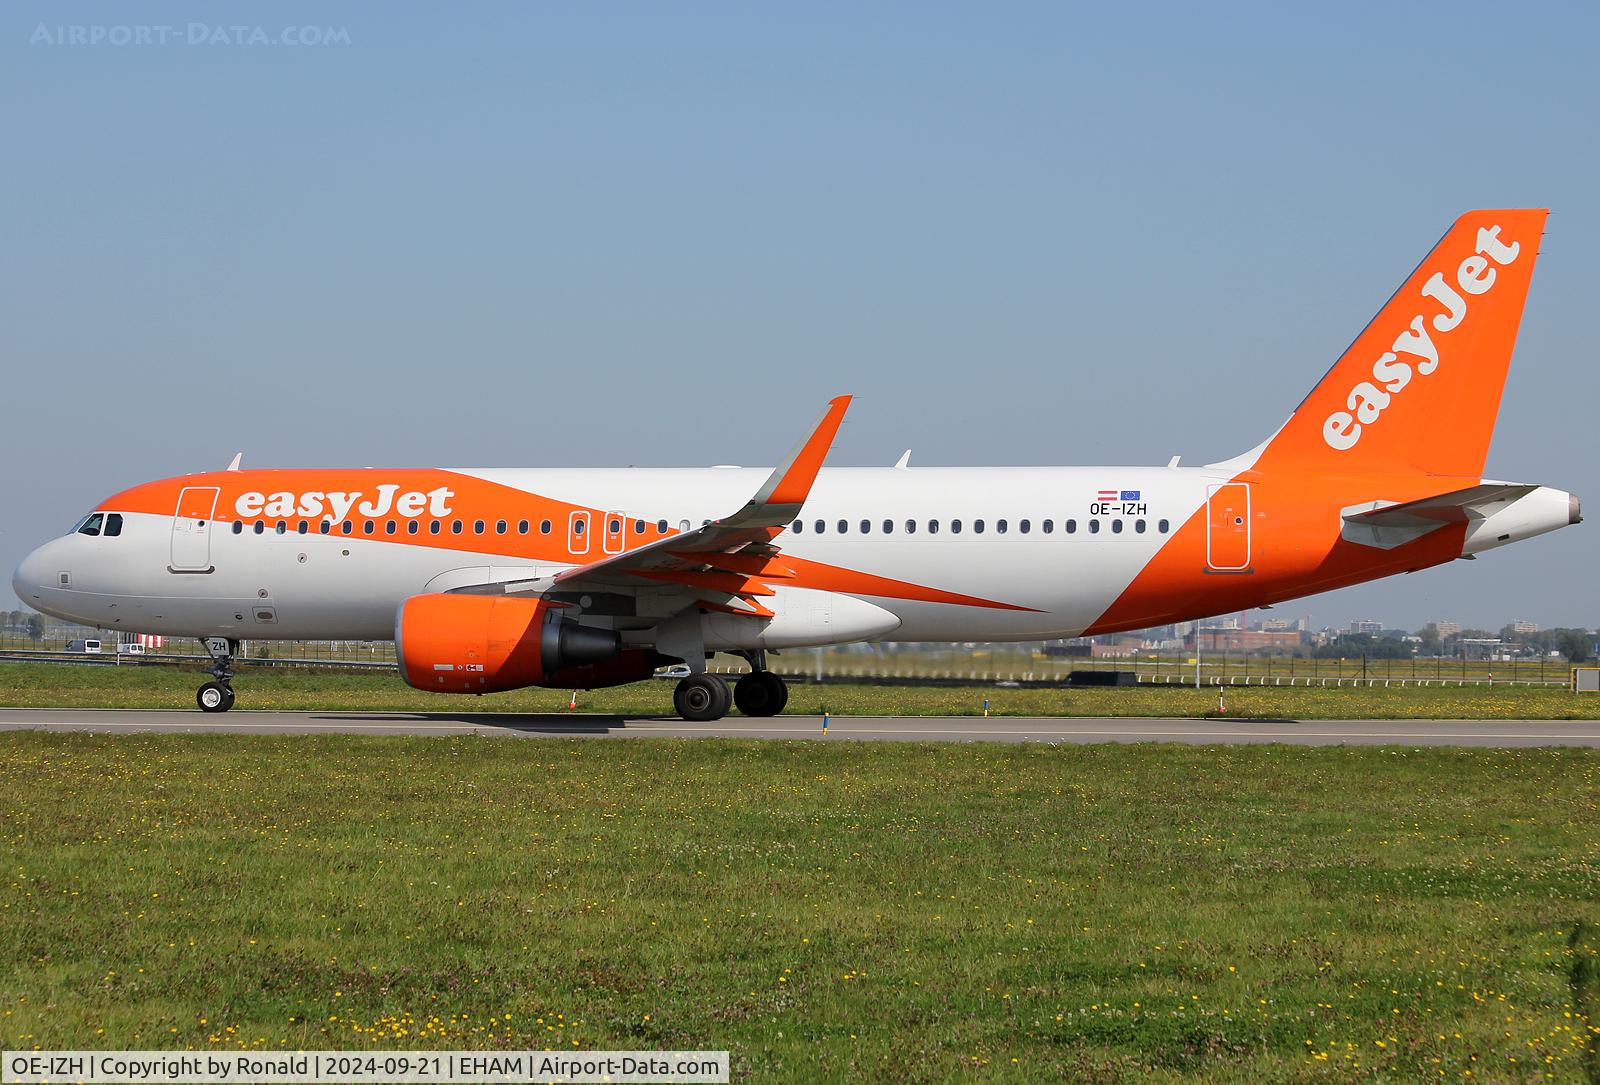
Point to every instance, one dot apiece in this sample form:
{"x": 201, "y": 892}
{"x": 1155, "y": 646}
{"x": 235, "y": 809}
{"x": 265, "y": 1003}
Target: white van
{"x": 84, "y": 647}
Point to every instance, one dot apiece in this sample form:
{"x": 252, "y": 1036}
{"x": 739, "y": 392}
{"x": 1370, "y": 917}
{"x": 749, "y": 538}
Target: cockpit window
{"x": 113, "y": 524}
{"x": 91, "y": 524}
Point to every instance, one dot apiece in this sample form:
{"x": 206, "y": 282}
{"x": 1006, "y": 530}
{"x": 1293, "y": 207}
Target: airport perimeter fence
{"x": 980, "y": 664}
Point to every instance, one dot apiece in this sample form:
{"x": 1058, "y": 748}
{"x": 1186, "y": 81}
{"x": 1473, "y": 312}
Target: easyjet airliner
{"x": 496, "y": 579}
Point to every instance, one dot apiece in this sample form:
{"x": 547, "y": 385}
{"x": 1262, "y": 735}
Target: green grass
{"x": 66, "y": 686}
{"x": 826, "y": 912}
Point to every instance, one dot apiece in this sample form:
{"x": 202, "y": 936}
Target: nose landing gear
{"x": 214, "y": 697}
{"x": 217, "y": 695}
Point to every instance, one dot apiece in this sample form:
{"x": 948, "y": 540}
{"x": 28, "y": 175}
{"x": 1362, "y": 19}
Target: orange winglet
{"x": 800, "y": 472}
{"x": 731, "y": 583}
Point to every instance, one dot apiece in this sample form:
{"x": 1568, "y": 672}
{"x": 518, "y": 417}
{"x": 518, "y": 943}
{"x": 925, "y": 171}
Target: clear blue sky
{"x": 592, "y": 234}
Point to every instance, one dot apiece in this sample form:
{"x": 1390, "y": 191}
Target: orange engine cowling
{"x": 489, "y": 643}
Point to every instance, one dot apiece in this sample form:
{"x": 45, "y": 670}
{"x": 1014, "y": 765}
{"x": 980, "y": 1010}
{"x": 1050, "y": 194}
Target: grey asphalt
{"x": 870, "y": 728}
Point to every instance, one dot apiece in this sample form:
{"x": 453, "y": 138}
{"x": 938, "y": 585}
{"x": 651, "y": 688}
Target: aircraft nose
{"x": 29, "y": 580}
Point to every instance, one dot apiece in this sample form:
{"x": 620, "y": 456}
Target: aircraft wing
{"x": 724, "y": 565}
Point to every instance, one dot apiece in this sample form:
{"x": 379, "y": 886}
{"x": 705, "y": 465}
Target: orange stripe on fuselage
{"x": 1296, "y": 550}
{"x": 470, "y": 499}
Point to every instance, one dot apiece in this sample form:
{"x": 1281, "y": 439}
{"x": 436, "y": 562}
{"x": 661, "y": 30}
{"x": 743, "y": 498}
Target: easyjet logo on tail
{"x": 1414, "y": 351}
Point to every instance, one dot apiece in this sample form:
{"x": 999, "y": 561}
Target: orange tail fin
{"x": 1419, "y": 388}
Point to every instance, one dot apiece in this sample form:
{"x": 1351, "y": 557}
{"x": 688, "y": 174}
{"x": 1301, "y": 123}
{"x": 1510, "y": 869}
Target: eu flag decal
{"x": 1130, "y": 495}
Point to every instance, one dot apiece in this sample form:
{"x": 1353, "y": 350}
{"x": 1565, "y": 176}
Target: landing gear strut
{"x": 217, "y": 695}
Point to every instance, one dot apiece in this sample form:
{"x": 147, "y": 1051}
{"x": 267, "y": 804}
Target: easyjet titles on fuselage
{"x": 1368, "y": 400}
{"x": 337, "y": 504}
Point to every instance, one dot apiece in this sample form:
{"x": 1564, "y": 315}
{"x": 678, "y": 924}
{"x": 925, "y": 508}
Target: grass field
{"x": 880, "y": 911}
{"x": 67, "y": 686}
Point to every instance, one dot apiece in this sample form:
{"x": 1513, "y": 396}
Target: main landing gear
{"x": 217, "y": 695}
{"x": 704, "y": 697}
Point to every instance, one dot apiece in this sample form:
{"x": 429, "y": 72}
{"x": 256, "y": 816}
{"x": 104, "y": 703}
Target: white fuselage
{"x": 1038, "y": 539}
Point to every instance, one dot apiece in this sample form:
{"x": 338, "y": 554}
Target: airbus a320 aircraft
{"x": 492, "y": 580}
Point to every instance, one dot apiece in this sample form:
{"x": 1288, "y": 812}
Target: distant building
{"x": 1366, "y": 625}
{"x": 1244, "y": 640}
{"x": 1446, "y": 629}
{"x": 1522, "y": 625}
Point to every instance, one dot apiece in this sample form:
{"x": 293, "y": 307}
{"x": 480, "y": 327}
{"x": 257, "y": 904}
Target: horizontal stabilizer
{"x": 1387, "y": 524}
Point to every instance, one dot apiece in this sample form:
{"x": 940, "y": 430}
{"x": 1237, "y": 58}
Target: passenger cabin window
{"x": 1094, "y": 527}
{"x": 238, "y": 527}
{"x": 820, "y": 526}
{"x": 955, "y": 527}
{"x": 261, "y": 527}
{"x": 544, "y": 527}
{"x": 1138, "y": 525}
{"x": 1116, "y": 527}
{"x": 933, "y": 527}
{"x": 325, "y": 527}
{"x": 433, "y": 527}
{"x": 302, "y": 527}
{"x": 477, "y": 527}
{"x": 911, "y": 527}
{"x": 389, "y": 527}
{"x": 282, "y": 528}
{"x": 346, "y": 527}
{"x": 1047, "y": 526}
{"x": 638, "y": 527}
{"x": 1162, "y": 527}
{"x": 1000, "y": 526}
{"x": 499, "y": 527}
{"x": 844, "y": 526}
{"x": 412, "y": 527}
{"x": 522, "y": 527}
{"x": 1070, "y": 527}
{"x": 866, "y": 527}
{"x": 367, "y": 527}
{"x": 1024, "y": 526}
{"x": 661, "y": 526}
{"x": 798, "y": 526}
{"x": 977, "y": 527}
{"x": 455, "y": 527}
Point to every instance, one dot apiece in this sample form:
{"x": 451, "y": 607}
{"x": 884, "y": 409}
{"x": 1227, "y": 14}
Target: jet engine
{"x": 489, "y": 643}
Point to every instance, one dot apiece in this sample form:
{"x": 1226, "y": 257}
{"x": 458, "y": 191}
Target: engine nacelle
{"x": 490, "y": 643}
